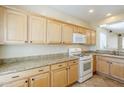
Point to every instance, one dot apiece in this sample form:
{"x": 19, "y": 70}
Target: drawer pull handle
{"x": 60, "y": 65}
{"x": 26, "y": 81}
{"x": 15, "y": 76}
{"x": 32, "y": 79}
{"x": 74, "y": 62}
{"x": 40, "y": 70}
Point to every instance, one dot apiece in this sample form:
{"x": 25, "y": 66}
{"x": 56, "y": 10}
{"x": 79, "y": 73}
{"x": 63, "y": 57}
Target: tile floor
{"x": 99, "y": 81}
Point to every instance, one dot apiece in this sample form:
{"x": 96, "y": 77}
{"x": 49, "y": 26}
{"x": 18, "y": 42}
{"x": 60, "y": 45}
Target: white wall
{"x": 10, "y": 51}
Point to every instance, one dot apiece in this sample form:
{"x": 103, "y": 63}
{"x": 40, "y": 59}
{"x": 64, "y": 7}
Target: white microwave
{"x": 79, "y": 38}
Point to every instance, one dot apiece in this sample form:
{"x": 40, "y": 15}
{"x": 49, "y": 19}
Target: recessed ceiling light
{"x": 108, "y": 14}
{"x": 91, "y": 11}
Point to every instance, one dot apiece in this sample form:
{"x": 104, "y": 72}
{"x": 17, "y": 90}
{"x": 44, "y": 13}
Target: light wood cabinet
{"x": 76, "y": 29}
{"x": 59, "y": 77}
{"x": 42, "y": 80}
{"x": 53, "y": 31}
{"x": 16, "y": 26}
{"x": 2, "y": 28}
{"x": 72, "y": 74}
{"x": 88, "y": 37}
{"x": 67, "y": 33}
{"x": 113, "y": 67}
{"x": 93, "y": 37}
{"x": 102, "y": 65}
{"x": 18, "y": 83}
{"x": 117, "y": 70}
{"x": 82, "y": 30}
{"x": 37, "y": 29}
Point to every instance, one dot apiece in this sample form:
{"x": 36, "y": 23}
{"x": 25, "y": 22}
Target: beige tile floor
{"x": 99, "y": 81}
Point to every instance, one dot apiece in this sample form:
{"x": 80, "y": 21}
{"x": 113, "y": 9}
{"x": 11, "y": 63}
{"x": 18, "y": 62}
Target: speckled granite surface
{"x": 21, "y": 64}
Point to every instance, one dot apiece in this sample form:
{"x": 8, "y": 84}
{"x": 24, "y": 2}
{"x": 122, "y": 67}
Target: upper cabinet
{"x": 2, "y": 25}
{"x": 16, "y": 27}
{"x": 23, "y": 27}
{"x": 82, "y": 30}
{"x": 53, "y": 31}
{"x": 67, "y": 33}
{"x": 88, "y": 37}
{"x": 37, "y": 29}
{"x": 93, "y": 37}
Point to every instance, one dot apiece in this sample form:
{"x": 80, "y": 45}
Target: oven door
{"x": 85, "y": 67}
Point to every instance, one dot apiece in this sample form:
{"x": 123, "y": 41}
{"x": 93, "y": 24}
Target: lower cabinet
{"x": 117, "y": 70}
{"x": 72, "y": 74}
{"x": 59, "y": 77}
{"x": 18, "y": 83}
{"x": 102, "y": 66}
{"x": 113, "y": 67}
{"x": 42, "y": 80}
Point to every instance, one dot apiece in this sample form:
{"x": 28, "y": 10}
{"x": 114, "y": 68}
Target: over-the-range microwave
{"x": 79, "y": 38}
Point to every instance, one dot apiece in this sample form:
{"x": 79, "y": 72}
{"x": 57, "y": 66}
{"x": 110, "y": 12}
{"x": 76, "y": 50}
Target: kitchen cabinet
{"x": 59, "y": 78}
{"x": 82, "y": 30}
{"x": 16, "y": 26}
{"x": 93, "y": 37}
{"x": 67, "y": 33}
{"x": 113, "y": 67}
{"x": 2, "y": 22}
{"x": 59, "y": 75}
{"x": 102, "y": 65}
{"x": 76, "y": 29}
{"x": 37, "y": 29}
{"x": 117, "y": 70}
{"x": 73, "y": 73}
{"x": 53, "y": 31}
{"x": 88, "y": 37}
{"x": 18, "y": 83}
{"x": 42, "y": 80}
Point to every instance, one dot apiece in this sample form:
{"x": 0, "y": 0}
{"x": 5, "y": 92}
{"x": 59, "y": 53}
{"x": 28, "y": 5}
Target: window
{"x": 103, "y": 40}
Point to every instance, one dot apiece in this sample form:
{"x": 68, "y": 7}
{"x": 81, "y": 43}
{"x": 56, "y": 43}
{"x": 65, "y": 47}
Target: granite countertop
{"x": 13, "y": 67}
{"x": 109, "y": 55}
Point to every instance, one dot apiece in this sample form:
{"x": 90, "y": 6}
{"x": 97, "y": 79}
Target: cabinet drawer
{"x": 40, "y": 70}
{"x": 23, "y": 74}
{"x": 73, "y": 62}
{"x": 57, "y": 66}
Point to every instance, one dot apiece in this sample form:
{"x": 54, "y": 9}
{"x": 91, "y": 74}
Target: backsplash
{"x": 12, "y": 51}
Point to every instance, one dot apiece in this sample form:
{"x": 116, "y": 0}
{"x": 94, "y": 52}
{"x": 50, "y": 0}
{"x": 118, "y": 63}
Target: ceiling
{"x": 81, "y": 11}
{"x": 115, "y": 27}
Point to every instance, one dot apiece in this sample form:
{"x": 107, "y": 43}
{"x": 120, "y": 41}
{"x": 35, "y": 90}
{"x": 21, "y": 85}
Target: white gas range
{"x": 85, "y": 64}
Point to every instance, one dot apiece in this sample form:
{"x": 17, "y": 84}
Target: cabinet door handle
{"x": 26, "y": 41}
{"x": 32, "y": 79}
{"x": 15, "y": 76}
{"x": 40, "y": 70}
{"x": 26, "y": 81}
{"x": 30, "y": 41}
{"x": 60, "y": 65}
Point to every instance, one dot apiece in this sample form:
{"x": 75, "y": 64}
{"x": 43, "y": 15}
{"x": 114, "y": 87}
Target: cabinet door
{"x": 88, "y": 36}
{"x": 102, "y": 65}
{"x": 117, "y": 70}
{"x": 67, "y": 33}
{"x": 59, "y": 77}
{"x": 1, "y": 25}
{"x": 42, "y": 80}
{"x": 37, "y": 29}
{"x": 93, "y": 37}
{"x": 82, "y": 30}
{"x": 16, "y": 27}
{"x": 19, "y": 83}
{"x": 53, "y": 31}
{"x": 72, "y": 74}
